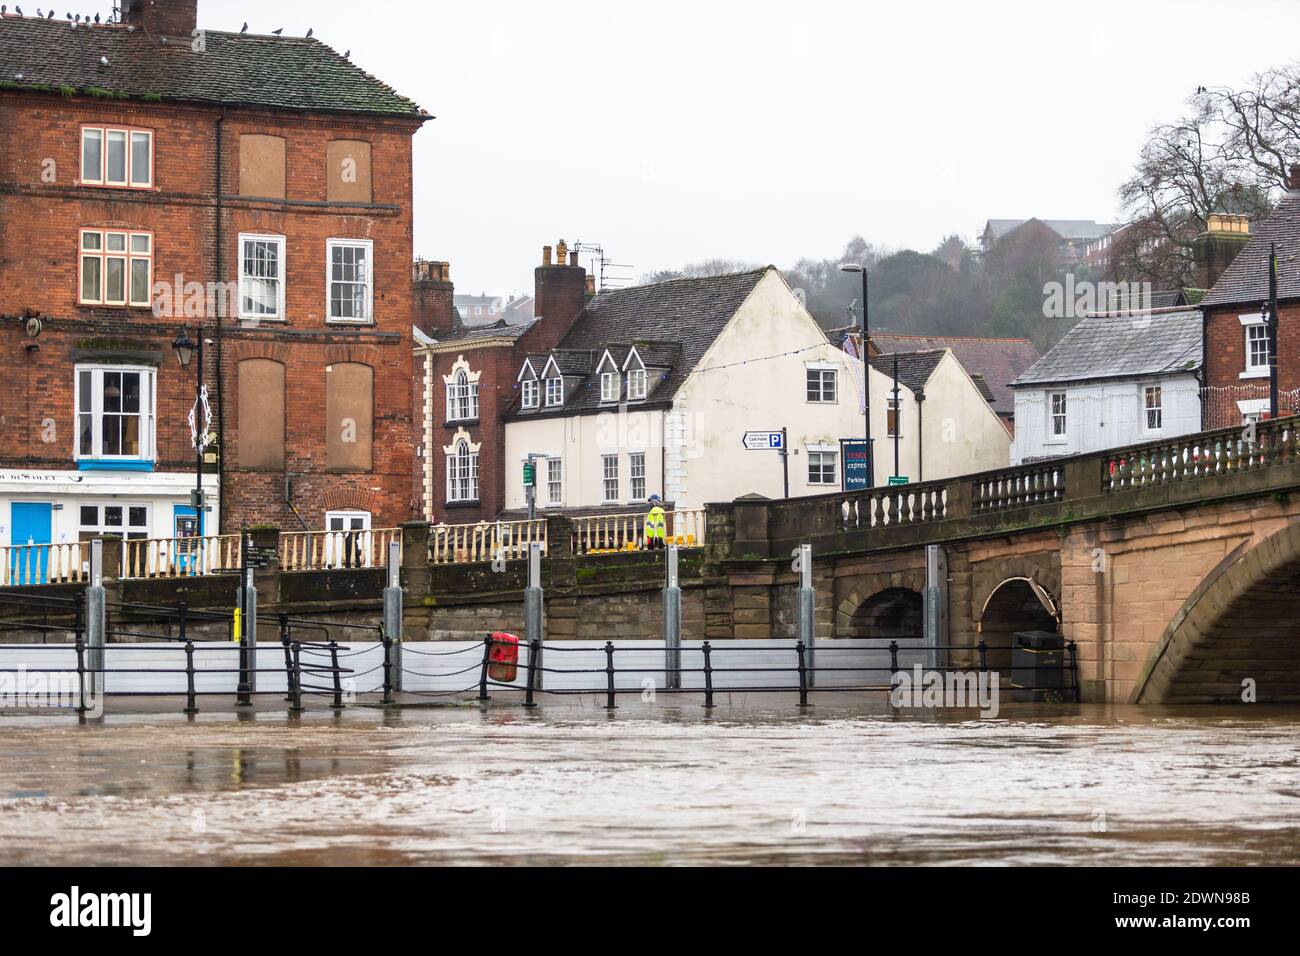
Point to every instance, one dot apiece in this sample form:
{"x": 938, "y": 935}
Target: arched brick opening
{"x": 1242, "y": 623}
{"x": 1014, "y": 605}
{"x": 894, "y": 614}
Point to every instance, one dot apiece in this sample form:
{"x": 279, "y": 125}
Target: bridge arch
{"x": 893, "y": 613}
{"x": 1242, "y": 622}
{"x": 1015, "y": 604}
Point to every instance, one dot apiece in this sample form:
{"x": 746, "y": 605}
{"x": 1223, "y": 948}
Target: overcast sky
{"x": 674, "y": 131}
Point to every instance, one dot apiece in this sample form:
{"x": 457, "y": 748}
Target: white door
{"x": 347, "y": 543}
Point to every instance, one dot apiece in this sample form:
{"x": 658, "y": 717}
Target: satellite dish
{"x": 33, "y": 327}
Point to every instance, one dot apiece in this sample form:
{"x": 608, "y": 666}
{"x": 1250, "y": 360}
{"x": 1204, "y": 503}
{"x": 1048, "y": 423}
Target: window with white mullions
{"x": 822, "y": 468}
{"x": 462, "y": 473}
{"x": 636, "y": 384}
{"x": 1152, "y": 402}
{"x": 554, "y": 482}
{"x": 609, "y": 387}
{"x": 609, "y": 477}
{"x": 350, "y": 280}
{"x": 115, "y": 413}
{"x": 636, "y": 475}
{"x": 1257, "y": 347}
{"x": 116, "y": 268}
{"x": 261, "y": 277}
{"x": 112, "y": 156}
{"x": 821, "y": 385}
{"x": 554, "y": 391}
{"x": 462, "y": 398}
{"x": 130, "y": 521}
{"x": 531, "y": 392}
{"x": 1057, "y": 415}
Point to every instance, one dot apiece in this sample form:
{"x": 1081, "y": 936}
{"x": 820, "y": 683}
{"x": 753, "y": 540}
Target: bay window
{"x": 116, "y": 268}
{"x": 116, "y": 156}
{"x": 351, "y": 282}
{"x": 115, "y": 413}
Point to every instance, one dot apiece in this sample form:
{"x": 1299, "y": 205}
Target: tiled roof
{"x": 282, "y": 73}
{"x": 1120, "y": 346}
{"x": 681, "y": 315}
{"x": 999, "y": 361}
{"x": 914, "y": 368}
{"x": 1065, "y": 228}
{"x": 498, "y": 330}
{"x": 1245, "y": 282}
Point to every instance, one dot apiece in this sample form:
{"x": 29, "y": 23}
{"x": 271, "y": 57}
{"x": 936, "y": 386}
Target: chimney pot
{"x": 562, "y": 253}
{"x": 591, "y": 285}
{"x": 546, "y": 255}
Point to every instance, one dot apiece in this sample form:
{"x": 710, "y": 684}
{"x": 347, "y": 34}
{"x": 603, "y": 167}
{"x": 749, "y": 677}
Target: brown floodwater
{"x": 755, "y": 781}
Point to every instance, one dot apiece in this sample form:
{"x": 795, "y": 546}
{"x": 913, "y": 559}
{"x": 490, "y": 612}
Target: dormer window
{"x": 532, "y": 393}
{"x": 636, "y": 382}
{"x": 554, "y": 392}
{"x": 609, "y": 387}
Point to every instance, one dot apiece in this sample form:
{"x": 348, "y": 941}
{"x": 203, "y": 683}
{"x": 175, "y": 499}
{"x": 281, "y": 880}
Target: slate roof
{"x": 1121, "y": 346}
{"x": 1065, "y": 228}
{"x": 1245, "y": 282}
{"x": 914, "y": 368}
{"x": 281, "y": 73}
{"x": 501, "y": 329}
{"x": 684, "y": 316}
{"x": 999, "y": 361}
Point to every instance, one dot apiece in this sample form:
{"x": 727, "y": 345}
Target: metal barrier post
{"x": 803, "y": 675}
{"x": 338, "y": 678}
{"x": 388, "y": 667}
{"x": 533, "y": 609}
{"x": 295, "y": 707}
{"x": 984, "y": 651}
{"x": 534, "y": 650}
{"x": 482, "y": 674}
{"x": 672, "y": 623}
{"x": 81, "y": 678}
{"x": 807, "y": 607}
{"x": 935, "y": 597}
{"x": 893, "y": 660}
{"x": 610, "y": 703}
{"x": 1074, "y": 668}
{"x": 393, "y": 610}
{"x": 247, "y": 644}
{"x": 708, "y": 676}
{"x": 191, "y": 703}
{"x": 288, "y": 657}
{"x": 95, "y": 622}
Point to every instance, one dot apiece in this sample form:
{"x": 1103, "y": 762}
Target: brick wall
{"x": 1225, "y": 360}
{"x": 42, "y": 208}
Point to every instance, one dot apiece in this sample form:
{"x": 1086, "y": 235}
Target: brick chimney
{"x": 1293, "y": 176}
{"x": 169, "y": 18}
{"x": 434, "y": 298}
{"x": 560, "y": 292}
{"x": 1215, "y": 248}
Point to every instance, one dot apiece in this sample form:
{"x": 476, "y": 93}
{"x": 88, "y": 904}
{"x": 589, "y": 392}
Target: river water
{"x": 756, "y": 781}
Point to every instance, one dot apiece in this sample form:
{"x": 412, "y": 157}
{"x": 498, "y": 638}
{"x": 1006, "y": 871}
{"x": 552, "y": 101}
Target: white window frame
{"x": 462, "y": 473}
{"x": 609, "y": 386}
{"x": 130, "y": 133}
{"x": 824, "y": 375}
{"x": 1148, "y": 408}
{"x": 102, "y": 527}
{"x": 818, "y": 458}
{"x": 462, "y": 398}
{"x": 128, "y": 255}
{"x": 147, "y": 414}
{"x": 369, "y": 247}
{"x": 281, "y": 278}
{"x": 894, "y": 405}
{"x": 636, "y": 473}
{"x": 555, "y": 392}
{"x": 1256, "y": 369}
{"x": 608, "y": 480}
{"x": 346, "y": 515}
{"x": 532, "y": 393}
{"x": 1052, "y": 415}
{"x": 637, "y": 380}
{"x": 555, "y": 482}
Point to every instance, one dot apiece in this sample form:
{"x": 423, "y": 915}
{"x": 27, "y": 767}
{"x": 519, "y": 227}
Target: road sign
{"x": 763, "y": 441}
{"x": 898, "y": 479}
{"x": 529, "y": 474}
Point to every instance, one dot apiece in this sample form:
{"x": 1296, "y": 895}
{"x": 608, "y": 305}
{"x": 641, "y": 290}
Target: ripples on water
{"x": 754, "y": 782}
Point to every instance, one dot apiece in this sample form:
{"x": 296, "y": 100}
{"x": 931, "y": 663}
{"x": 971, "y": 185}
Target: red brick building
{"x": 467, "y": 380}
{"x": 1236, "y": 340}
{"x": 255, "y": 190}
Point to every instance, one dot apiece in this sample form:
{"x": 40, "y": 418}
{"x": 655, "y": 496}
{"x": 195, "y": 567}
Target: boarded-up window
{"x": 348, "y": 175}
{"x": 261, "y": 166}
{"x": 261, "y": 414}
{"x": 349, "y": 416}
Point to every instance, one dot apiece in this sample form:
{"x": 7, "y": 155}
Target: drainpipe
{"x": 219, "y": 261}
{"x": 920, "y": 437}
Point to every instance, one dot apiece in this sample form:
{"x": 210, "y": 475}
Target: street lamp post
{"x": 185, "y": 350}
{"x": 866, "y": 371}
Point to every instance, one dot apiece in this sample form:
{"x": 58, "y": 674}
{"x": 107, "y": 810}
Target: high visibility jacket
{"x": 655, "y": 524}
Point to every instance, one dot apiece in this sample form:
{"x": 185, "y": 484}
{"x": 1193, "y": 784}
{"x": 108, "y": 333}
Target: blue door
{"x": 29, "y": 524}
